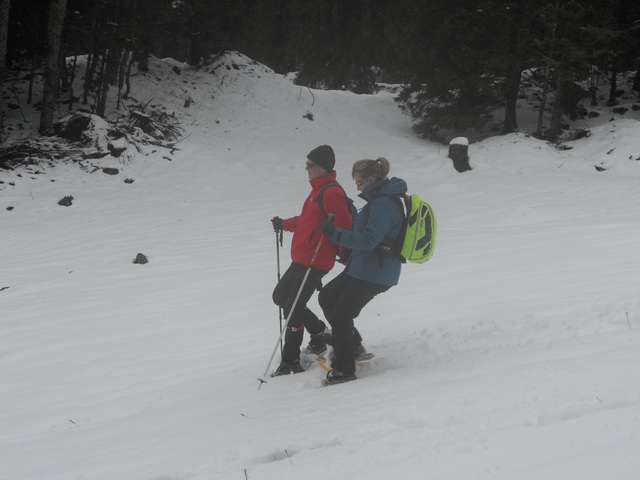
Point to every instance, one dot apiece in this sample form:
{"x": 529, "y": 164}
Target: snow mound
{"x": 236, "y": 62}
{"x": 88, "y": 129}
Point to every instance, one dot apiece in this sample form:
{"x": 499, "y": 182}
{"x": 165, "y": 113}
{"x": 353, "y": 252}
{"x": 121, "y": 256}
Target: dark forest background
{"x": 458, "y": 61}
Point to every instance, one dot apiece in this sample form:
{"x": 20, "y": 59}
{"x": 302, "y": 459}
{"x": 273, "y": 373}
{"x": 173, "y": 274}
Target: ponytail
{"x": 377, "y": 169}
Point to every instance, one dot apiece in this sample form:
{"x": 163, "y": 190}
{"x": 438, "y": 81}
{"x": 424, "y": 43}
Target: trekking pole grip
{"x": 332, "y": 217}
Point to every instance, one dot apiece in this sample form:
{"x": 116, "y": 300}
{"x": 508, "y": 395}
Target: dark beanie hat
{"x": 323, "y": 156}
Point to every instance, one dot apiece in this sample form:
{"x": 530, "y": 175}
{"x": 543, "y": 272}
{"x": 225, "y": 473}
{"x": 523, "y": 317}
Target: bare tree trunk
{"x": 113, "y": 56}
{"x": 547, "y": 78}
{"x": 543, "y": 101}
{"x": 57, "y": 10}
{"x": 614, "y": 83}
{"x": 556, "y": 116}
{"x": 512, "y": 89}
{"x": 593, "y": 87}
{"x": 73, "y": 77}
{"x": 121, "y": 75}
{"x": 519, "y": 40}
{"x": 636, "y": 80}
{"x": 103, "y": 90}
{"x": 89, "y": 76}
{"x": 91, "y": 59}
{"x": 4, "y": 29}
{"x": 63, "y": 75}
{"x": 32, "y": 77}
{"x": 128, "y": 78}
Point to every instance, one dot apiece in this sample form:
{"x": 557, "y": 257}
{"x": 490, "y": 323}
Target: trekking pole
{"x": 278, "y": 245}
{"x": 293, "y": 306}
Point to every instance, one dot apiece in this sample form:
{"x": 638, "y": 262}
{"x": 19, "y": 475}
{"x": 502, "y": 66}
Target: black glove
{"x": 277, "y": 224}
{"x": 344, "y": 255}
{"x": 328, "y": 228}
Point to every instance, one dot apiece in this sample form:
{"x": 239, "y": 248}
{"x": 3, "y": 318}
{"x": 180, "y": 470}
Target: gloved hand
{"x": 344, "y": 255}
{"x": 328, "y": 228}
{"x": 277, "y": 224}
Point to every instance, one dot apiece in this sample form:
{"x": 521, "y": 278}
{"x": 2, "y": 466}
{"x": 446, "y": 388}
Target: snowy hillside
{"x": 514, "y": 354}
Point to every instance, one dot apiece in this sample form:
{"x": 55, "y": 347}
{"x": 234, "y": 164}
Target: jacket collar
{"x": 385, "y": 187}
{"x": 318, "y": 183}
{"x": 373, "y": 190}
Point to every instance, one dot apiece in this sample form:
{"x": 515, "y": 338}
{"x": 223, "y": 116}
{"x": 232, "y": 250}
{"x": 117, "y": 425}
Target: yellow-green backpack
{"x": 417, "y": 239}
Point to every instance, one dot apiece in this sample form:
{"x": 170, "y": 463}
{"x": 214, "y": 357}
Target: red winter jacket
{"x": 306, "y": 226}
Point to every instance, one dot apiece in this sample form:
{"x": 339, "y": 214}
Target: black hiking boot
{"x": 358, "y": 351}
{"x": 288, "y": 368}
{"x": 360, "y": 354}
{"x": 336, "y": 376}
{"x": 318, "y": 343}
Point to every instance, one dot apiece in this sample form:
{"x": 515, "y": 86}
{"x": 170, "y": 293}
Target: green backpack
{"x": 417, "y": 239}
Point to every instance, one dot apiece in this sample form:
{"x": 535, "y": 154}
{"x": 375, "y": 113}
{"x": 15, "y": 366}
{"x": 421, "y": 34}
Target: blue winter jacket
{"x": 380, "y": 218}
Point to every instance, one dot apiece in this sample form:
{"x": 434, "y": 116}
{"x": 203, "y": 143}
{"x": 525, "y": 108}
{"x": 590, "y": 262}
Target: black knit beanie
{"x": 323, "y": 156}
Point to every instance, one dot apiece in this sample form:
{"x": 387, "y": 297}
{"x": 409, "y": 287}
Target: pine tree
{"x": 341, "y": 45}
{"x": 453, "y": 89}
{"x": 563, "y": 61}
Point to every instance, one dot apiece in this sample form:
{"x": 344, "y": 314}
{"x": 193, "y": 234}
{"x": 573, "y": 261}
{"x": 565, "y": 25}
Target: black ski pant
{"x": 285, "y": 294}
{"x": 342, "y": 300}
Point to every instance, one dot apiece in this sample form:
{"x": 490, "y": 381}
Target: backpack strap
{"x": 320, "y": 197}
{"x": 391, "y": 247}
{"x": 401, "y": 199}
{"x": 343, "y": 253}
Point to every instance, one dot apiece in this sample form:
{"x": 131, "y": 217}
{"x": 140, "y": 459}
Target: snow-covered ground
{"x": 514, "y": 354}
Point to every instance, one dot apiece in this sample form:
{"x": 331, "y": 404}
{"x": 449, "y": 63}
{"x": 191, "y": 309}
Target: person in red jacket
{"x": 306, "y": 236}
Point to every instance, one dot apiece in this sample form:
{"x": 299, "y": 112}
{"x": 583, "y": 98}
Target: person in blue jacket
{"x": 368, "y": 273}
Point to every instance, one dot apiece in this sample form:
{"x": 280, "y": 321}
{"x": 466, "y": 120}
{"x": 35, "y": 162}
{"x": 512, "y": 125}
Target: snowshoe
{"x": 322, "y": 362}
{"x": 287, "y": 369}
{"x": 318, "y": 343}
{"x": 360, "y": 354}
{"x": 336, "y": 376}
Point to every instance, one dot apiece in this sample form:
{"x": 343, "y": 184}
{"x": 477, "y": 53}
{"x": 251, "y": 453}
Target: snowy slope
{"x": 513, "y": 354}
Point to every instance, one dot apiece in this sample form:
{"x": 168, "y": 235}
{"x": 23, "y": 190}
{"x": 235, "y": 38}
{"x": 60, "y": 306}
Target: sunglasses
{"x": 359, "y": 183}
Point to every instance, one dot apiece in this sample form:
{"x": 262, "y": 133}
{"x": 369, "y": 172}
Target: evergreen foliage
{"x": 461, "y": 64}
